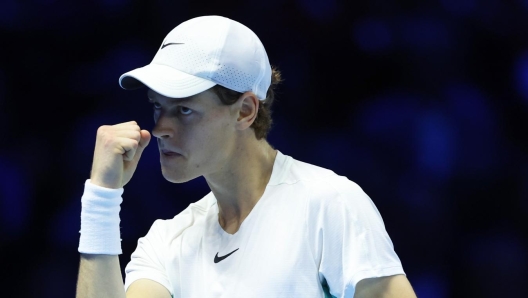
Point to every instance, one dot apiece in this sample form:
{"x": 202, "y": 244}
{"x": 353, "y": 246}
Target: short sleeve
{"x": 148, "y": 260}
{"x": 352, "y": 241}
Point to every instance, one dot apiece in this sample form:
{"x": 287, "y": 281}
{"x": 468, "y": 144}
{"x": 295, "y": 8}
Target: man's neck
{"x": 242, "y": 183}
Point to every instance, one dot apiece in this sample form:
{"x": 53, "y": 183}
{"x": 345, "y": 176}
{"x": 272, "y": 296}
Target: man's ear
{"x": 248, "y": 104}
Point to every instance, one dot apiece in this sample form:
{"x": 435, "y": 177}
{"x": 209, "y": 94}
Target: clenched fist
{"x": 117, "y": 152}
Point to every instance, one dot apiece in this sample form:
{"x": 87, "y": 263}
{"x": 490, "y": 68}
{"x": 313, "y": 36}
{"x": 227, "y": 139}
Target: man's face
{"x": 195, "y": 135}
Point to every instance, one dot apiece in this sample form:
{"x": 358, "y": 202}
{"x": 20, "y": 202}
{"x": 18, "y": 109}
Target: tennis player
{"x": 272, "y": 226}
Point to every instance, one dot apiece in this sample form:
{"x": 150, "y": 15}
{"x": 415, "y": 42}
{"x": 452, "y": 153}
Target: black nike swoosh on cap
{"x": 218, "y": 259}
{"x": 170, "y": 43}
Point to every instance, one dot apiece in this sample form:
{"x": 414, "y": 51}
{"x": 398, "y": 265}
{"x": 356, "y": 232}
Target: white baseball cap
{"x": 202, "y": 52}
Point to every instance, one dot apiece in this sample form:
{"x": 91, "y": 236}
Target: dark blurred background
{"x": 423, "y": 103}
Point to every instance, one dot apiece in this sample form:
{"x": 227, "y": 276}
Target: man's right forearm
{"x": 117, "y": 152}
{"x": 100, "y": 277}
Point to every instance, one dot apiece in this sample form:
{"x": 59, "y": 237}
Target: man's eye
{"x": 156, "y": 105}
{"x": 185, "y": 111}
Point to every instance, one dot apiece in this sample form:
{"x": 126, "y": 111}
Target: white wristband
{"x": 100, "y": 220}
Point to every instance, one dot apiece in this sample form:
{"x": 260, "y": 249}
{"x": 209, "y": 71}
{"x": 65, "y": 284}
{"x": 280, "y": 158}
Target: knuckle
{"x": 106, "y": 136}
{"x": 102, "y": 129}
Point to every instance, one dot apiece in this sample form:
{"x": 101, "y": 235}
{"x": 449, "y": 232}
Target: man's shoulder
{"x": 301, "y": 171}
{"x": 318, "y": 184}
{"x": 320, "y": 177}
{"x": 195, "y": 212}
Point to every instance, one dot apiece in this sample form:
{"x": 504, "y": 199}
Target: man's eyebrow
{"x": 175, "y": 100}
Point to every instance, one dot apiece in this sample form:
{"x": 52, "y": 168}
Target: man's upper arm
{"x": 147, "y": 288}
{"x": 396, "y": 286}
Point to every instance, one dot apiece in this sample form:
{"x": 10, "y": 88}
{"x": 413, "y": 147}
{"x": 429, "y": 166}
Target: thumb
{"x": 143, "y": 142}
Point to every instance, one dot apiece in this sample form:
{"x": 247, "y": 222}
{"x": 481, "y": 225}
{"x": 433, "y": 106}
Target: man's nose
{"x": 164, "y": 127}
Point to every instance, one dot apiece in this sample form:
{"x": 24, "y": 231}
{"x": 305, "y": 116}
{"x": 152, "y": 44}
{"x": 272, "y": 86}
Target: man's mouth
{"x": 169, "y": 153}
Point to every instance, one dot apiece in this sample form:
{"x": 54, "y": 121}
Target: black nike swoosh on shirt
{"x": 170, "y": 43}
{"x": 218, "y": 259}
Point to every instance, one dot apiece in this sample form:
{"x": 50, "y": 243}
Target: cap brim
{"x": 165, "y": 80}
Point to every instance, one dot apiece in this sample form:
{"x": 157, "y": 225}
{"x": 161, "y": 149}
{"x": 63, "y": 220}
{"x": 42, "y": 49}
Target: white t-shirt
{"x": 311, "y": 232}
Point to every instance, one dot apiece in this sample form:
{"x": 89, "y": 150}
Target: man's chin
{"x": 176, "y": 177}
